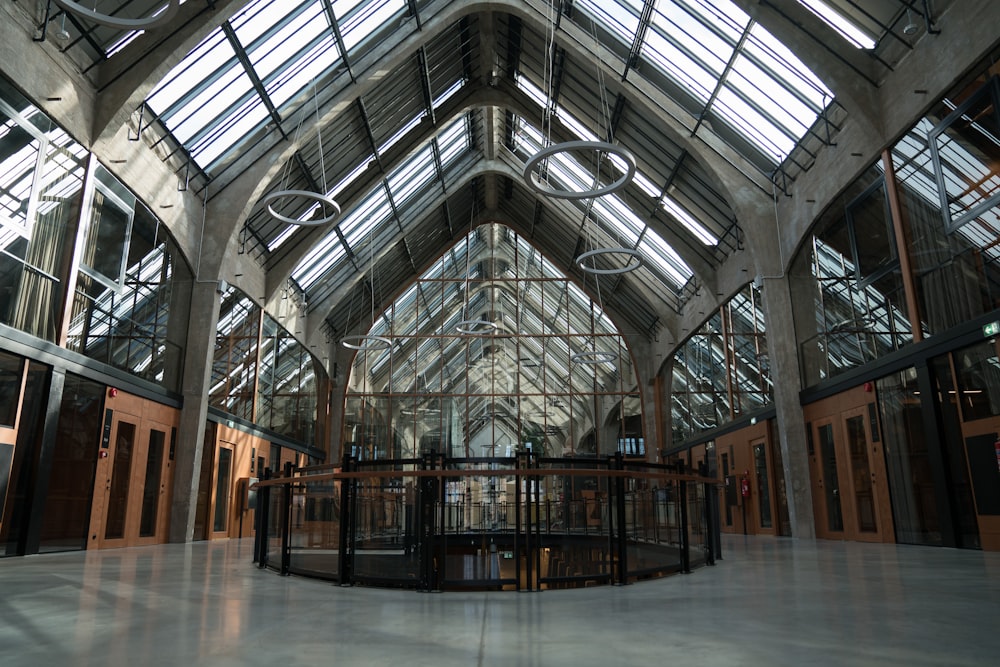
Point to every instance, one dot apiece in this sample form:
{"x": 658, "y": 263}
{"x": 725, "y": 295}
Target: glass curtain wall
{"x": 286, "y": 386}
{"x": 848, "y": 300}
{"x": 491, "y": 351}
{"x": 948, "y": 166}
{"x": 234, "y": 368}
{"x": 124, "y": 289}
{"x": 41, "y": 186}
{"x": 261, "y": 373}
{"x": 723, "y": 371}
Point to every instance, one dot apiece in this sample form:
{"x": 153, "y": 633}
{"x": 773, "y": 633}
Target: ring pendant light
{"x": 599, "y": 147}
{"x": 368, "y": 342}
{"x": 273, "y": 200}
{"x": 109, "y": 20}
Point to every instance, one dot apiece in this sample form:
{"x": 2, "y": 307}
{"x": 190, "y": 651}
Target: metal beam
{"x": 258, "y": 85}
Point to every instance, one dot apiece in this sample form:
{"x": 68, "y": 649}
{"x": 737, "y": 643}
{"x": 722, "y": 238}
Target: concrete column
{"x": 791, "y": 431}
{"x": 202, "y": 322}
{"x": 340, "y": 372}
{"x": 645, "y": 360}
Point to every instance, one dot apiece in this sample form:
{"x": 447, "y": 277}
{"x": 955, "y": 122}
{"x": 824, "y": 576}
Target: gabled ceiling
{"x": 417, "y": 117}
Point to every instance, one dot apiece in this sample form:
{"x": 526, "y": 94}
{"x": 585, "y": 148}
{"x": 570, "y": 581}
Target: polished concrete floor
{"x": 769, "y": 602}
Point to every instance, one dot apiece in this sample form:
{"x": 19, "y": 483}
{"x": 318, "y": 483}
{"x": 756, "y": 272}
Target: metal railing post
{"x": 710, "y": 524}
{"x": 426, "y": 496}
{"x": 260, "y": 519}
{"x": 621, "y": 539}
{"x": 286, "y": 520}
{"x": 685, "y": 540}
{"x": 346, "y": 546}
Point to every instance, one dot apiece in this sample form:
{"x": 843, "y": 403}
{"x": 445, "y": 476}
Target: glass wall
{"x": 234, "y": 367}
{"x": 125, "y": 286}
{"x": 261, "y": 373}
{"x": 722, "y": 371}
{"x": 492, "y": 350}
{"x": 935, "y": 206}
{"x": 849, "y": 303}
{"x": 286, "y": 386}
{"x": 41, "y": 185}
{"x": 914, "y": 508}
{"x": 66, "y": 519}
{"x": 948, "y": 167}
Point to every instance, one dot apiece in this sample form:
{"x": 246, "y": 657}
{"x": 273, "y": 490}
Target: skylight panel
{"x": 781, "y": 66}
{"x": 753, "y": 124}
{"x": 448, "y": 94}
{"x": 454, "y": 140}
{"x": 666, "y": 259}
{"x": 768, "y": 96}
{"x": 692, "y": 43}
{"x": 288, "y": 52}
{"x": 621, "y": 17}
{"x": 625, "y": 225}
{"x": 847, "y": 29}
{"x": 276, "y": 242}
{"x": 692, "y": 225}
{"x": 175, "y": 91}
{"x": 208, "y": 102}
{"x": 318, "y": 261}
{"x": 360, "y": 19}
{"x": 363, "y": 219}
{"x": 412, "y": 175}
{"x": 399, "y": 134}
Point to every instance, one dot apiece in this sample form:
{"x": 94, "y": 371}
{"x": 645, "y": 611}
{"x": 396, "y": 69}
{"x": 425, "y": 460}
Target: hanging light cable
{"x": 369, "y": 342}
{"x": 323, "y": 209}
{"x": 539, "y": 162}
{"x": 471, "y": 326}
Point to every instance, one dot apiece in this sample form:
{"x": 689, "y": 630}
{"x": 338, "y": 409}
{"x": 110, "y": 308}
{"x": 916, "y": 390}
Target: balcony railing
{"x": 519, "y": 523}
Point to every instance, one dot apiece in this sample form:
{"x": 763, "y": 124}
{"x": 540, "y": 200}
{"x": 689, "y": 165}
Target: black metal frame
{"x": 430, "y": 539}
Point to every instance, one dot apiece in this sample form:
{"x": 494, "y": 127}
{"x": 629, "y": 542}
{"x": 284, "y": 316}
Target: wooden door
{"x": 866, "y": 501}
{"x": 113, "y": 512}
{"x": 760, "y": 499}
{"x": 153, "y": 496}
{"x": 131, "y": 505}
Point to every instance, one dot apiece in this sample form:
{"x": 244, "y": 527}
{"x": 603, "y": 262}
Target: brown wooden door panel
{"x": 131, "y": 503}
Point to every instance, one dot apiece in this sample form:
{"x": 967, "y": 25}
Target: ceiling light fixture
{"x": 323, "y": 209}
{"x": 153, "y": 21}
{"x": 600, "y": 149}
{"x": 370, "y": 342}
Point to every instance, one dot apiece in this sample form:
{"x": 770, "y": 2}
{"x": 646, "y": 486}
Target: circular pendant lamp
{"x": 94, "y": 16}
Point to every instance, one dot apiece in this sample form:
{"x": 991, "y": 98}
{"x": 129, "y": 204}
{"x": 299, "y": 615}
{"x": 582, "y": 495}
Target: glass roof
{"x": 865, "y": 25}
{"x": 723, "y": 66}
{"x": 263, "y": 77}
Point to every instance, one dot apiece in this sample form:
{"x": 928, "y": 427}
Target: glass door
{"x": 865, "y": 510}
{"x": 153, "y": 497}
{"x": 222, "y": 489}
{"x": 830, "y": 516}
{"x": 763, "y": 490}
